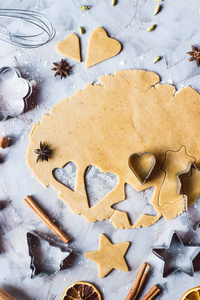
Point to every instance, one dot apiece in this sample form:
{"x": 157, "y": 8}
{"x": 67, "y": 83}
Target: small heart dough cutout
{"x": 101, "y": 47}
{"x": 70, "y": 47}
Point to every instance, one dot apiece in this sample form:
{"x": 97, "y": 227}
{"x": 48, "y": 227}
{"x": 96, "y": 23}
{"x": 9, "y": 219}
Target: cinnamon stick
{"x": 137, "y": 286}
{"x": 152, "y": 293}
{"x": 41, "y": 214}
{"x": 5, "y": 296}
{"x": 4, "y": 142}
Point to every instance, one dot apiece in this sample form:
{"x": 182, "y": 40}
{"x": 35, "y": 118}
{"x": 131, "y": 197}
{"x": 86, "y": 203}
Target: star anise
{"x": 43, "y": 152}
{"x": 61, "y": 69}
{"x": 195, "y": 55}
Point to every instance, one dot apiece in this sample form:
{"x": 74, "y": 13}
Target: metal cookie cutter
{"x": 47, "y": 257}
{"x": 14, "y": 91}
{"x": 142, "y": 165}
{"x": 193, "y": 211}
{"x": 177, "y": 256}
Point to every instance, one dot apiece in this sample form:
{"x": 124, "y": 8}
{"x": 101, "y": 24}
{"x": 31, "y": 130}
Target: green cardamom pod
{"x": 81, "y": 30}
{"x": 157, "y": 9}
{"x": 151, "y": 28}
{"x": 85, "y": 7}
{"x": 156, "y": 59}
{"x": 113, "y": 2}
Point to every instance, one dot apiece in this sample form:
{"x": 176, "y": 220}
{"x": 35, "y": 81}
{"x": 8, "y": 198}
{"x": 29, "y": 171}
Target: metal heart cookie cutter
{"x": 142, "y": 165}
{"x": 47, "y": 256}
{"x": 177, "y": 256}
{"x": 14, "y": 91}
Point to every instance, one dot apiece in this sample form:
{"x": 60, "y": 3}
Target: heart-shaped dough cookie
{"x": 101, "y": 47}
{"x": 70, "y": 47}
{"x": 142, "y": 165}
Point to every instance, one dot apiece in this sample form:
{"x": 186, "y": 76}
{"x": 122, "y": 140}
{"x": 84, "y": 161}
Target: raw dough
{"x": 109, "y": 256}
{"x": 103, "y": 125}
{"x": 70, "y": 47}
{"x": 101, "y": 47}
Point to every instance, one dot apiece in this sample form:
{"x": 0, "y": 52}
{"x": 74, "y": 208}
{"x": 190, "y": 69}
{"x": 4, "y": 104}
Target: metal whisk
{"x": 40, "y": 29}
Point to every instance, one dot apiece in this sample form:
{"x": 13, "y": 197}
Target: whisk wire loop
{"x": 39, "y": 21}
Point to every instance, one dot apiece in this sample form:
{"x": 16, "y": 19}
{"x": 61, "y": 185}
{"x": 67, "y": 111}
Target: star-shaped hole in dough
{"x": 137, "y": 203}
{"x": 109, "y": 256}
{"x": 177, "y": 256}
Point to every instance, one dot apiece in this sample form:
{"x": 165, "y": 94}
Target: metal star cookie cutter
{"x": 142, "y": 172}
{"x": 14, "y": 92}
{"x": 177, "y": 256}
{"x": 47, "y": 256}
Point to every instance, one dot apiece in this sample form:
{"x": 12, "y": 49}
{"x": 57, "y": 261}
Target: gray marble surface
{"x": 177, "y": 28}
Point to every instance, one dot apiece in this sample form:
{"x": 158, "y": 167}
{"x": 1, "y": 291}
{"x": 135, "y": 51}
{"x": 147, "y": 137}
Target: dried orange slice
{"x": 193, "y": 294}
{"x": 81, "y": 291}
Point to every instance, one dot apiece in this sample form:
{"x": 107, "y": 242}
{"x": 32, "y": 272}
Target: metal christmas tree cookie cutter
{"x": 14, "y": 92}
{"x": 47, "y": 256}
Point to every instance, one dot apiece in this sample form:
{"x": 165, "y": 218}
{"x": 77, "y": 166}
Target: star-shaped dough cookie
{"x": 109, "y": 256}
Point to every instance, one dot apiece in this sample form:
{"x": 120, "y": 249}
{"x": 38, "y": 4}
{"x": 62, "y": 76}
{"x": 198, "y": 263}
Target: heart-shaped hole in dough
{"x": 66, "y": 175}
{"x": 98, "y": 184}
